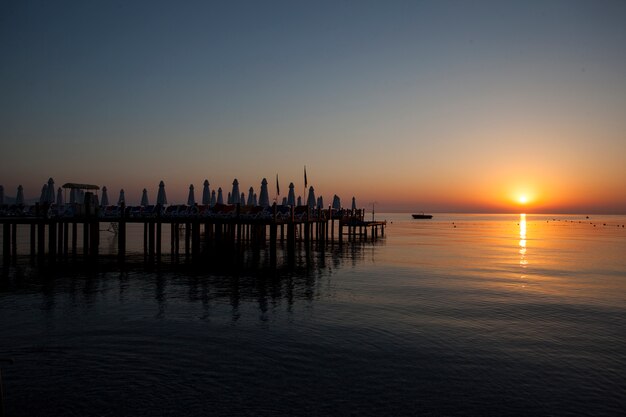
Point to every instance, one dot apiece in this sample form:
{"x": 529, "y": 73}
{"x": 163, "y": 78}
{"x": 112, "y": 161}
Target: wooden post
{"x": 195, "y": 240}
{"x": 151, "y": 239}
{"x": 177, "y": 240}
{"x": 66, "y": 229}
{"x": 6, "y": 243}
{"x": 158, "y": 239}
{"x": 52, "y": 240}
{"x": 60, "y": 237}
{"x": 291, "y": 234}
{"x": 41, "y": 239}
{"x": 172, "y": 237}
{"x": 86, "y": 225}
{"x": 74, "y": 237}
{"x": 33, "y": 238}
{"x": 187, "y": 239}
{"x": 121, "y": 236}
{"x": 14, "y": 239}
{"x": 94, "y": 237}
{"x": 145, "y": 238}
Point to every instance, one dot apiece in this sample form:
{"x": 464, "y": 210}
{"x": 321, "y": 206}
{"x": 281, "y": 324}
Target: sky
{"x": 410, "y": 105}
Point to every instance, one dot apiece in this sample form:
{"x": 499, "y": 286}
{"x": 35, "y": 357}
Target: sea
{"x": 460, "y": 315}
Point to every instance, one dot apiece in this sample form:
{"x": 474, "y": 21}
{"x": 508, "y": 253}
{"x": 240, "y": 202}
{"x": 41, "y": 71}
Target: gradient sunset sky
{"x": 417, "y": 105}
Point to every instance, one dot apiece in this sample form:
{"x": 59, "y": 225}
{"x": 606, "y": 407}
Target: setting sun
{"x": 523, "y": 199}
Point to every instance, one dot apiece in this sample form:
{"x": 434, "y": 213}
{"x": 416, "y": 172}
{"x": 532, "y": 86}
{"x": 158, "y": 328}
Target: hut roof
{"x": 80, "y": 186}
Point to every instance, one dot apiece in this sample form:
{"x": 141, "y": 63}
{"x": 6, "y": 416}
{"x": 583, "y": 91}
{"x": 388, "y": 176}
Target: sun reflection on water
{"x": 522, "y": 240}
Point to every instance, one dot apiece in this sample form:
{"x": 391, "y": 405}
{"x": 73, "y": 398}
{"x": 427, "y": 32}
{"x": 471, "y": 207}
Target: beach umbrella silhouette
{"x": 1, "y": 194}
{"x": 44, "y": 194}
{"x": 284, "y": 203}
{"x": 250, "y": 201}
{"x": 59, "y": 197}
{"x": 291, "y": 195}
{"x": 213, "y": 199}
{"x": 320, "y": 202}
{"x": 235, "y": 193}
{"x": 242, "y": 198}
{"x": 144, "y": 198}
{"x": 299, "y": 201}
{"x": 229, "y": 198}
{"x": 72, "y": 195}
{"x": 19, "y": 199}
{"x": 264, "y": 197}
{"x": 206, "y": 193}
{"x": 191, "y": 199}
{"x": 311, "y": 201}
{"x": 353, "y": 204}
{"x": 161, "y": 197}
{"x": 105, "y": 197}
{"x": 122, "y": 198}
{"x": 220, "y": 197}
{"x": 336, "y": 202}
{"x": 50, "y": 193}
{"x": 254, "y": 201}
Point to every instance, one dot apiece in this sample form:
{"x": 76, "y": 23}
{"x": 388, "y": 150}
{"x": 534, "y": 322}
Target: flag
{"x": 305, "y": 182}
{"x": 277, "y": 186}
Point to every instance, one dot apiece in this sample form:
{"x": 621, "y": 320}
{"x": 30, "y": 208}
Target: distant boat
{"x": 422, "y": 216}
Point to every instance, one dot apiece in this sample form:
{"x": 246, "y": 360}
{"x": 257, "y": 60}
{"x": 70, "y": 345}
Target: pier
{"x": 197, "y": 232}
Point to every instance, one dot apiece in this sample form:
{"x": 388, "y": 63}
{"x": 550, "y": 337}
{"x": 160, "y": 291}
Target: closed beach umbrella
{"x": 320, "y": 202}
{"x": 1, "y": 194}
{"x": 191, "y": 199}
{"x": 161, "y": 197}
{"x": 144, "y": 198}
{"x": 19, "y": 199}
{"x": 44, "y": 194}
{"x": 51, "y": 194}
{"x": 213, "y": 199}
{"x": 311, "y": 201}
{"x": 220, "y": 197}
{"x": 206, "y": 193}
{"x": 336, "y": 202}
{"x": 242, "y": 198}
{"x": 291, "y": 196}
{"x": 284, "y": 201}
{"x": 250, "y": 201}
{"x": 353, "y": 204}
{"x": 229, "y": 198}
{"x": 59, "y": 197}
{"x": 235, "y": 194}
{"x": 299, "y": 201}
{"x": 264, "y": 197}
{"x": 122, "y": 199}
{"x": 254, "y": 201}
{"x": 105, "y": 197}
{"x": 73, "y": 195}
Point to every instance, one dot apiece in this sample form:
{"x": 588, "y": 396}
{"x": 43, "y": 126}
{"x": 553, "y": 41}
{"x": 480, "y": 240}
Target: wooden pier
{"x": 202, "y": 231}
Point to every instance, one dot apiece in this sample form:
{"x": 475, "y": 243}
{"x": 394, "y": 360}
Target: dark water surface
{"x": 459, "y": 315}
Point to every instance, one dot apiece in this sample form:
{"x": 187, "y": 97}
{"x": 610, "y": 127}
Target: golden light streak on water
{"x": 522, "y": 240}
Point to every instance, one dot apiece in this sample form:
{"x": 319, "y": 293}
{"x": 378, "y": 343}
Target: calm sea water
{"x": 501, "y": 315}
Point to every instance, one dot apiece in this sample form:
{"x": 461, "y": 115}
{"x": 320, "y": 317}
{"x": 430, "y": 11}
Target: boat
{"x": 422, "y": 216}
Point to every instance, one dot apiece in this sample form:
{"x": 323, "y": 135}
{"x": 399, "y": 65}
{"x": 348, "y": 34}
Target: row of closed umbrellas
{"x": 209, "y": 197}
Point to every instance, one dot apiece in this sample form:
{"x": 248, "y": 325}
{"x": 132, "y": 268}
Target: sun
{"x": 522, "y": 199}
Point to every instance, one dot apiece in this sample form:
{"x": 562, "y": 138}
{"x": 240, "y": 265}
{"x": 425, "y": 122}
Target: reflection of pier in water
{"x": 241, "y": 285}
